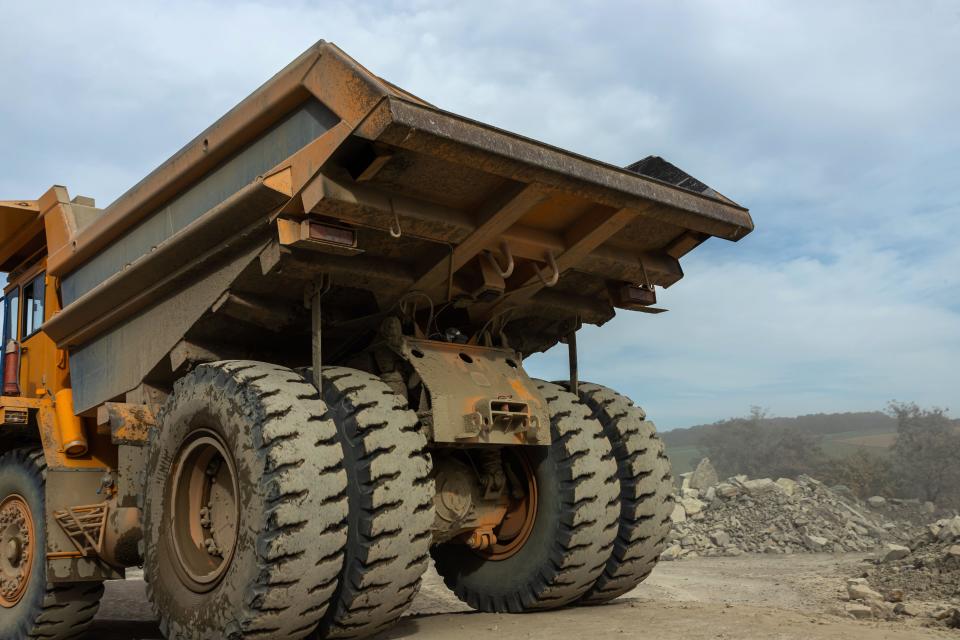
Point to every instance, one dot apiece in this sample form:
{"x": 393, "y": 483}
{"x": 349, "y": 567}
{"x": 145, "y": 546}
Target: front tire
{"x": 245, "y": 504}
{"x": 575, "y": 522}
{"x": 30, "y": 607}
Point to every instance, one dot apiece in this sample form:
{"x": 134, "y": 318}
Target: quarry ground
{"x": 751, "y": 596}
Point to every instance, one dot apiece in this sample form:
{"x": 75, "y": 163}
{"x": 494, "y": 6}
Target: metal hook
{"x": 643, "y": 270}
{"x": 555, "y": 277}
{"x": 395, "y": 230}
{"x": 505, "y": 249}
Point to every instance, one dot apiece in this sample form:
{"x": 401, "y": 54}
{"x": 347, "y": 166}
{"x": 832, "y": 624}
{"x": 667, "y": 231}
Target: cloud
{"x": 798, "y": 336}
{"x": 834, "y": 122}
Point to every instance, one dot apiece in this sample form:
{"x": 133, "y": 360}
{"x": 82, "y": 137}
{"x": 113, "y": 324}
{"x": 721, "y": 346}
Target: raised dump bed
{"x": 421, "y": 196}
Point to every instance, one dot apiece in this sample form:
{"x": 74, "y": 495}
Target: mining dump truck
{"x": 284, "y": 372}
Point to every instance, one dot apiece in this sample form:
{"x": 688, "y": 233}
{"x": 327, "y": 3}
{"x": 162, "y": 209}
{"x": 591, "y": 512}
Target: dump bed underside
{"x": 192, "y": 256}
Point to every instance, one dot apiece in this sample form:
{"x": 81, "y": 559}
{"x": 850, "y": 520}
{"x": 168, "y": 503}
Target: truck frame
{"x": 285, "y": 370}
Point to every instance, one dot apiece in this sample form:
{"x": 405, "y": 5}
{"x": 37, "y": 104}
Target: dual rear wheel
{"x": 272, "y": 510}
{"x": 573, "y": 526}
{"x": 604, "y": 497}
{"x": 244, "y": 505}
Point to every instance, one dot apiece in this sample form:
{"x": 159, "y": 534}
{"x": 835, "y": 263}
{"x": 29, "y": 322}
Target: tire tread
{"x": 646, "y": 492}
{"x": 388, "y": 553}
{"x": 299, "y": 548}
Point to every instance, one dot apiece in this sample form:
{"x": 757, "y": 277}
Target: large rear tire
{"x": 646, "y": 492}
{"x": 245, "y": 505}
{"x": 390, "y": 495}
{"x": 30, "y": 607}
{"x": 575, "y": 522}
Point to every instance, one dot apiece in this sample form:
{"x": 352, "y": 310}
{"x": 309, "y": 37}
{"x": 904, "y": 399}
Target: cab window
{"x": 32, "y": 306}
{"x": 11, "y": 309}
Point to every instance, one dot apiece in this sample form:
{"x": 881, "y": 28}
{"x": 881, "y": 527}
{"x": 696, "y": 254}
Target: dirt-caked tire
{"x": 30, "y": 607}
{"x": 646, "y": 492}
{"x": 390, "y": 495}
{"x": 575, "y": 521}
{"x": 245, "y": 505}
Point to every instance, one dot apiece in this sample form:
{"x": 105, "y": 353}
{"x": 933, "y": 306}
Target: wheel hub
{"x": 205, "y": 510}
{"x": 517, "y": 524}
{"x": 16, "y": 549}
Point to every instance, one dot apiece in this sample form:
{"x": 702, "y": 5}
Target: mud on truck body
{"x": 286, "y": 369}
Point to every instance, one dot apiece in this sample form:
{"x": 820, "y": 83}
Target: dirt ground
{"x": 794, "y": 597}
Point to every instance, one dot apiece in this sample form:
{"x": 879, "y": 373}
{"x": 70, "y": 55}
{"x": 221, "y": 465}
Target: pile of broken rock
{"x": 740, "y": 515}
{"x": 919, "y": 580}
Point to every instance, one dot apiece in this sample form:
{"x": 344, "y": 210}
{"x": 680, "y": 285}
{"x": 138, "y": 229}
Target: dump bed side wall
{"x": 305, "y": 124}
{"x": 118, "y": 360}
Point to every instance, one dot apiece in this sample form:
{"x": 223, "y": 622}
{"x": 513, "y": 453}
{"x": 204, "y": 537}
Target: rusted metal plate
{"x": 479, "y": 395}
{"x": 464, "y": 141}
{"x": 369, "y": 206}
{"x": 129, "y": 423}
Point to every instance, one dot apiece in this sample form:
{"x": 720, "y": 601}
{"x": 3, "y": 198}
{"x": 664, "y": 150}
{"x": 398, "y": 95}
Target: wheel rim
{"x": 16, "y": 549}
{"x": 517, "y": 525}
{"x": 204, "y": 510}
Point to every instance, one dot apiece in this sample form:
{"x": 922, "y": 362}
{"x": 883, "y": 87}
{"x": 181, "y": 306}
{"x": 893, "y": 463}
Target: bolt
{"x": 212, "y": 547}
{"x": 475, "y": 540}
{"x": 213, "y": 467}
{"x": 480, "y": 540}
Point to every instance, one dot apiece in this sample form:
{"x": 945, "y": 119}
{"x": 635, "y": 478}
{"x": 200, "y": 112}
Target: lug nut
{"x": 212, "y": 547}
{"x": 213, "y": 467}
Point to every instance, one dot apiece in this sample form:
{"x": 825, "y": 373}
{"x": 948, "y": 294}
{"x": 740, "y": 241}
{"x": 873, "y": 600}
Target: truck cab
{"x": 22, "y": 260}
{"x": 52, "y": 461}
{"x": 34, "y": 371}
{"x": 22, "y": 336}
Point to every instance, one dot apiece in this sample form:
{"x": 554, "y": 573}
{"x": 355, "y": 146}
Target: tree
{"x": 865, "y": 473}
{"x": 926, "y": 454}
{"x": 751, "y": 446}
{"x": 727, "y": 443}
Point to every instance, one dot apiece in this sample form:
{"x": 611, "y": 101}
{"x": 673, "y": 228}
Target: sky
{"x": 837, "y": 124}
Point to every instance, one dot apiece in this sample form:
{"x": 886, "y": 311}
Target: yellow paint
{"x": 281, "y": 181}
{"x": 44, "y": 369}
{"x": 69, "y": 441}
{"x": 102, "y": 453}
{"x": 72, "y": 437}
{"x": 16, "y": 215}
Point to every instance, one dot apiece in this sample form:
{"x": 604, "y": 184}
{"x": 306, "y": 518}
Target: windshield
{"x": 32, "y": 306}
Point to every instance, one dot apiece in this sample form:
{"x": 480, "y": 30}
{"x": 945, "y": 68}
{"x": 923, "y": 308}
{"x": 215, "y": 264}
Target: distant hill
{"x": 841, "y": 434}
{"x": 823, "y": 424}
